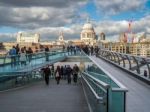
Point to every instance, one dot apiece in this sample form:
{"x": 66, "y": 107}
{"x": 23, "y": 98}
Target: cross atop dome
{"x": 88, "y": 20}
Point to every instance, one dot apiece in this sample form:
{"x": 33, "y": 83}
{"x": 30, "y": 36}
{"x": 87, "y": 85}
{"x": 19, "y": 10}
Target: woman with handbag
{"x": 57, "y": 74}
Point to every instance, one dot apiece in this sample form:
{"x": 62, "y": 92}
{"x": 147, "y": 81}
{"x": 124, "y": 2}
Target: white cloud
{"x": 38, "y": 13}
{"x": 112, "y": 29}
{"x": 49, "y": 19}
{"x": 7, "y": 37}
{"x": 116, "y": 6}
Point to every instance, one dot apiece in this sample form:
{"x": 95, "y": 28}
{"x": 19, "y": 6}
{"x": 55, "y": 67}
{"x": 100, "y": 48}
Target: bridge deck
{"x": 139, "y": 92}
{"x": 41, "y": 98}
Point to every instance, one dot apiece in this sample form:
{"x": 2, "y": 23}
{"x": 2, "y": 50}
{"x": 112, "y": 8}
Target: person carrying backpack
{"x": 75, "y": 73}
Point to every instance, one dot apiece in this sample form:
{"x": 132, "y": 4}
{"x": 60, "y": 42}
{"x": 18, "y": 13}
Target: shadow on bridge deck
{"x": 41, "y": 98}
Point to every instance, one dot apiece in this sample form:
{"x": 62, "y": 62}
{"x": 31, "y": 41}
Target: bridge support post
{"x": 137, "y": 63}
{"x": 128, "y": 61}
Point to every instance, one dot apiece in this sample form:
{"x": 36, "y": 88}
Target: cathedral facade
{"x": 88, "y": 35}
{"x": 28, "y": 38}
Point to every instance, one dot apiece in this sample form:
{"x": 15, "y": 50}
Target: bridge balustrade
{"x": 31, "y": 61}
{"x": 134, "y": 64}
{"x": 18, "y": 79}
{"x": 116, "y": 92}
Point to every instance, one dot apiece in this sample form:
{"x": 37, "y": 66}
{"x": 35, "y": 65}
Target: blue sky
{"x": 48, "y": 17}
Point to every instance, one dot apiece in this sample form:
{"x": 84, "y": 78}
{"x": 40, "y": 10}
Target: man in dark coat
{"x": 75, "y": 73}
{"x": 47, "y": 73}
{"x": 68, "y": 73}
{"x": 47, "y": 53}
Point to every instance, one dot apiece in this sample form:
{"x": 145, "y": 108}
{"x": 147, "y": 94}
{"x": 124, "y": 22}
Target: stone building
{"x": 88, "y": 35}
{"x": 28, "y": 38}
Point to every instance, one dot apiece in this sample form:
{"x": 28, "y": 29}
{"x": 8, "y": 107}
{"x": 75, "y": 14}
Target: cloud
{"x": 35, "y": 17}
{"x": 5, "y": 37}
{"x": 31, "y": 14}
{"x": 48, "y": 17}
{"x": 116, "y": 6}
{"x": 111, "y": 28}
{"x": 41, "y": 3}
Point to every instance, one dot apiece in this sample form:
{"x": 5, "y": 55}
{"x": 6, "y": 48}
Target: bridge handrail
{"x": 126, "y": 54}
{"x": 123, "y": 88}
{"x": 113, "y": 88}
{"x": 105, "y": 76}
{"x": 33, "y": 54}
{"x": 114, "y": 79}
{"x": 95, "y": 94}
{"x": 101, "y": 83}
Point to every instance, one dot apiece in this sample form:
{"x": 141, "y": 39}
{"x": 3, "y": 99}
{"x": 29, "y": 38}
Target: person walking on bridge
{"x": 68, "y": 73}
{"x": 75, "y": 73}
{"x": 47, "y": 53}
{"x": 58, "y": 74}
{"x": 12, "y": 54}
{"x": 47, "y": 73}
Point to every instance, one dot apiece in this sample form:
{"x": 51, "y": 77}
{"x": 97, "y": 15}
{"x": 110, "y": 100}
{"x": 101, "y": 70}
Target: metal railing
{"x": 30, "y": 61}
{"x": 117, "y": 91}
{"x": 18, "y": 79}
{"x": 136, "y": 65}
{"x": 103, "y": 97}
{"x": 96, "y": 92}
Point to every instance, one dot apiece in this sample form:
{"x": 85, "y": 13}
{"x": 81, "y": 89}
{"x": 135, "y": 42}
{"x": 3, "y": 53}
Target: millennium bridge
{"x": 110, "y": 82}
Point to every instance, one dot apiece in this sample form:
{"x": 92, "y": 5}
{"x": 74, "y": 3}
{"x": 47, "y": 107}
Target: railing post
{"x": 137, "y": 63}
{"x": 129, "y": 62}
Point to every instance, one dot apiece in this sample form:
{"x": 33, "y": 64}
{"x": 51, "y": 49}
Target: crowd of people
{"x": 20, "y": 55}
{"x": 61, "y": 72}
{"x": 91, "y": 50}
{"x": 73, "y": 50}
{"x": 23, "y": 55}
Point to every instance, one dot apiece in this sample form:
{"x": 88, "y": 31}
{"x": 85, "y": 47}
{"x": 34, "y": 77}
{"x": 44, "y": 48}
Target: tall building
{"x": 1, "y": 46}
{"x": 61, "y": 36}
{"x": 60, "y": 40}
{"x": 28, "y": 38}
{"x": 102, "y": 36}
{"x": 88, "y": 35}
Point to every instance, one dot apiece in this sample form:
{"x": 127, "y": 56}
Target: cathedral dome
{"x": 88, "y": 26}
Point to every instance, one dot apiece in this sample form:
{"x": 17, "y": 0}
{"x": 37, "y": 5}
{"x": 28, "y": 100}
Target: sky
{"x": 49, "y": 17}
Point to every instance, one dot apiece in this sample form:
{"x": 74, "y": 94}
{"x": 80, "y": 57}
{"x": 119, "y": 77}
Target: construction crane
{"x": 128, "y": 35}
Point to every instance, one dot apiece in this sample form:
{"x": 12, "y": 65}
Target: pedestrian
{"x": 47, "y": 53}
{"x": 12, "y": 54}
{"x": 23, "y": 57}
{"x": 91, "y": 49}
{"x": 86, "y": 50}
{"x": 75, "y": 50}
{"x": 145, "y": 73}
{"x": 62, "y": 72}
{"x": 96, "y": 51}
{"x": 52, "y": 70}
{"x": 57, "y": 74}
{"x": 29, "y": 54}
{"x": 47, "y": 73}
{"x": 17, "y": 54}
{"x": 71, "y": 49}
{"x": 68, "y": 73}
{"x": 75, "y": 73}
{"x": 68, "y": 49}
{"x": 63, "y": 48}
{"x": 17, "y": 49}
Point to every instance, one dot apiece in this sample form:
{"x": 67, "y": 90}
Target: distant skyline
{"x": 48, "y": 17}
